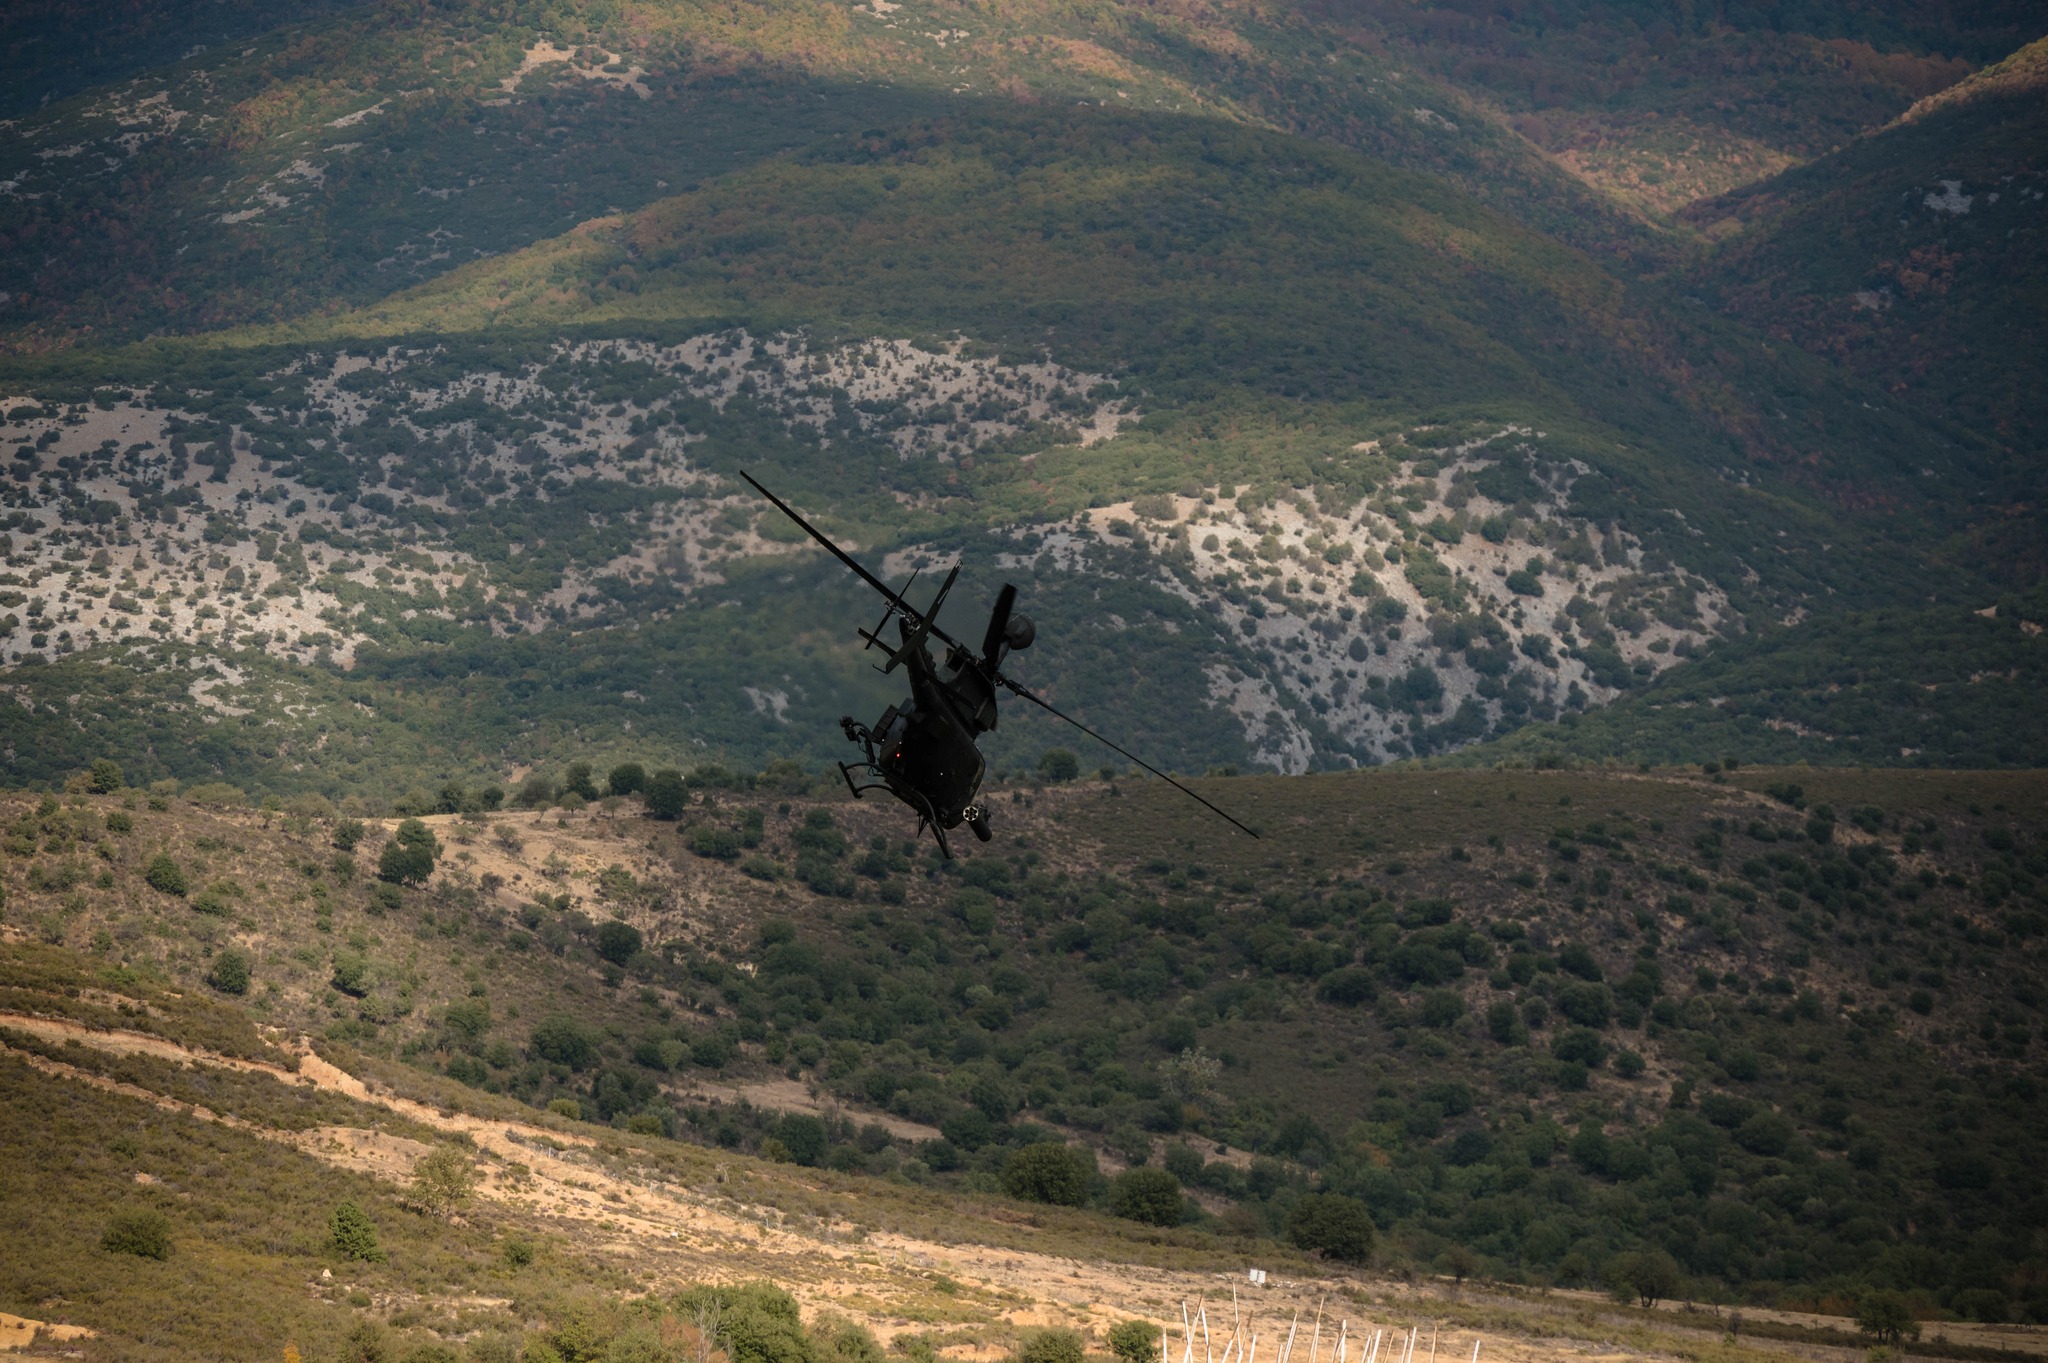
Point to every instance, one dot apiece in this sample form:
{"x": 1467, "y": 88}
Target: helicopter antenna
{"x": 1050, "y": 709}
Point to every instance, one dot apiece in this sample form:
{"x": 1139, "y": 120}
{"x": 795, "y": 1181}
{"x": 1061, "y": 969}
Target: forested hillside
{"x": 1781, "y": 1025}
{"x": 1388, "y": 384}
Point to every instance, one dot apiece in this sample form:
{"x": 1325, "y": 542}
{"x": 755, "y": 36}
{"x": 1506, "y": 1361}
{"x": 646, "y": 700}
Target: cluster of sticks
{"x": 1243, "y": 1344}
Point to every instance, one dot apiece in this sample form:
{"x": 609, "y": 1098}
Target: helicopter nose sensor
{"x": 1019, "y": 633}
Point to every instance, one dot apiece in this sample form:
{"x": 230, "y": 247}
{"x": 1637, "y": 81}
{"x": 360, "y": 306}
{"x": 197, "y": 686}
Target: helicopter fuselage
{"x": 925, "y": 749}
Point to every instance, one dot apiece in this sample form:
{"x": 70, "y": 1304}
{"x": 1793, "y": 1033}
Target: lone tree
{"x": 408, "y": 859}
{"x": 1058, "y": 764}
{"x": 666, "y": 794}
{"x": 351, "y": 972}
{"x": 577, "y": 780}
{"x": 627, "y": 778}
{"x": 1151, "y": 1196}
{"x": 230, "y": 973}
{"x": 1339, "y": 1226}
{"x": 618, "y": 942}
{"x": 354, "y": 1235}
{"x": 563, "y": 1040}
{"x": 1460, "y": 1262}
{"x": 105, "y": 777}
{"x": 444, "y": 1180}
{"x": 1886, "y": 1318}
{"x": 1049, "y": 1172}
{"x": 1648, "y": 1275}
{"x": 165, "y": 876}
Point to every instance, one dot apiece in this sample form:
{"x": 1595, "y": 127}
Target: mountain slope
{"x": 1788, "y": 1020}
{"x": 1660, "y": 108}
{"x": 343, "y": 159}
{"x": 1929, "y": 688}
{"x": 1431, "y": 473}
{"x": 1917, "y": 257}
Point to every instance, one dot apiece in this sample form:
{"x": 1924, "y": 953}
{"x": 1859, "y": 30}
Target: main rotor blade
{"x": 998, "y": 626}
{"x": 1050, "y": 709}
{"x": 847, "y": 559}
{"x": 944, "y": 587}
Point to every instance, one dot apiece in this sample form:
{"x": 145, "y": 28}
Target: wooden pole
{"x": 1432, "y": 1340}
{"x": 1287, "y": 1349}
{"x": 1316, "y": 1337}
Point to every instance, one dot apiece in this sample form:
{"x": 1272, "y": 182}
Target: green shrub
{"x": 618, "y": 942}
{"x": 758, "y": 1322}
{"x": 1051, "y": 1345}
{"x": 408, "y": 859}
{"x": 468, "y": 1018}
{"x": 1134, "y": 1341}
{"x": 165, "y": 876}
{"x": 144, "y": 1233}
{"x": 354, "y": 1235}
{"x": 566, "y": 1107}
{"x": 577, "y": 781}
{"x": 444, "y": 1180}
{"x": 666, "y": 795}
{"x": 347, "y": 834}
{"x": 1645, "y": 1276}
{"x": 1050, "y": 1172}
{"x": 709, "y": 840}
{"x": 627, "y": 778}
{"x": 840, "y": 1340}
{"x": 119, "y": 821}
{"x": 564, "y": 1041}
{"x": 1441, "y": 1008}
{"x": 804, "y": 1136}
{"x": 434, "y": 1352}
{"x": 351, "y": 972}
{"x": 1151, "y": 1196}
{"x": 1348, "y": 987}
{"x": 368, "y": 1342}
{"x": 1058, "y": 765}
{"x": 230, "y": 973}
{"x": 1337, "y": 1226}
{"x": 105, "y": 777}
{"x": 1886, "y": 1317}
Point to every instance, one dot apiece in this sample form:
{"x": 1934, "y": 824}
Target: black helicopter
{"x": 924, "y": 750}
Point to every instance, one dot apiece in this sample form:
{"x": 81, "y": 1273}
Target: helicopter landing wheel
{"x": 976, "y": 818}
